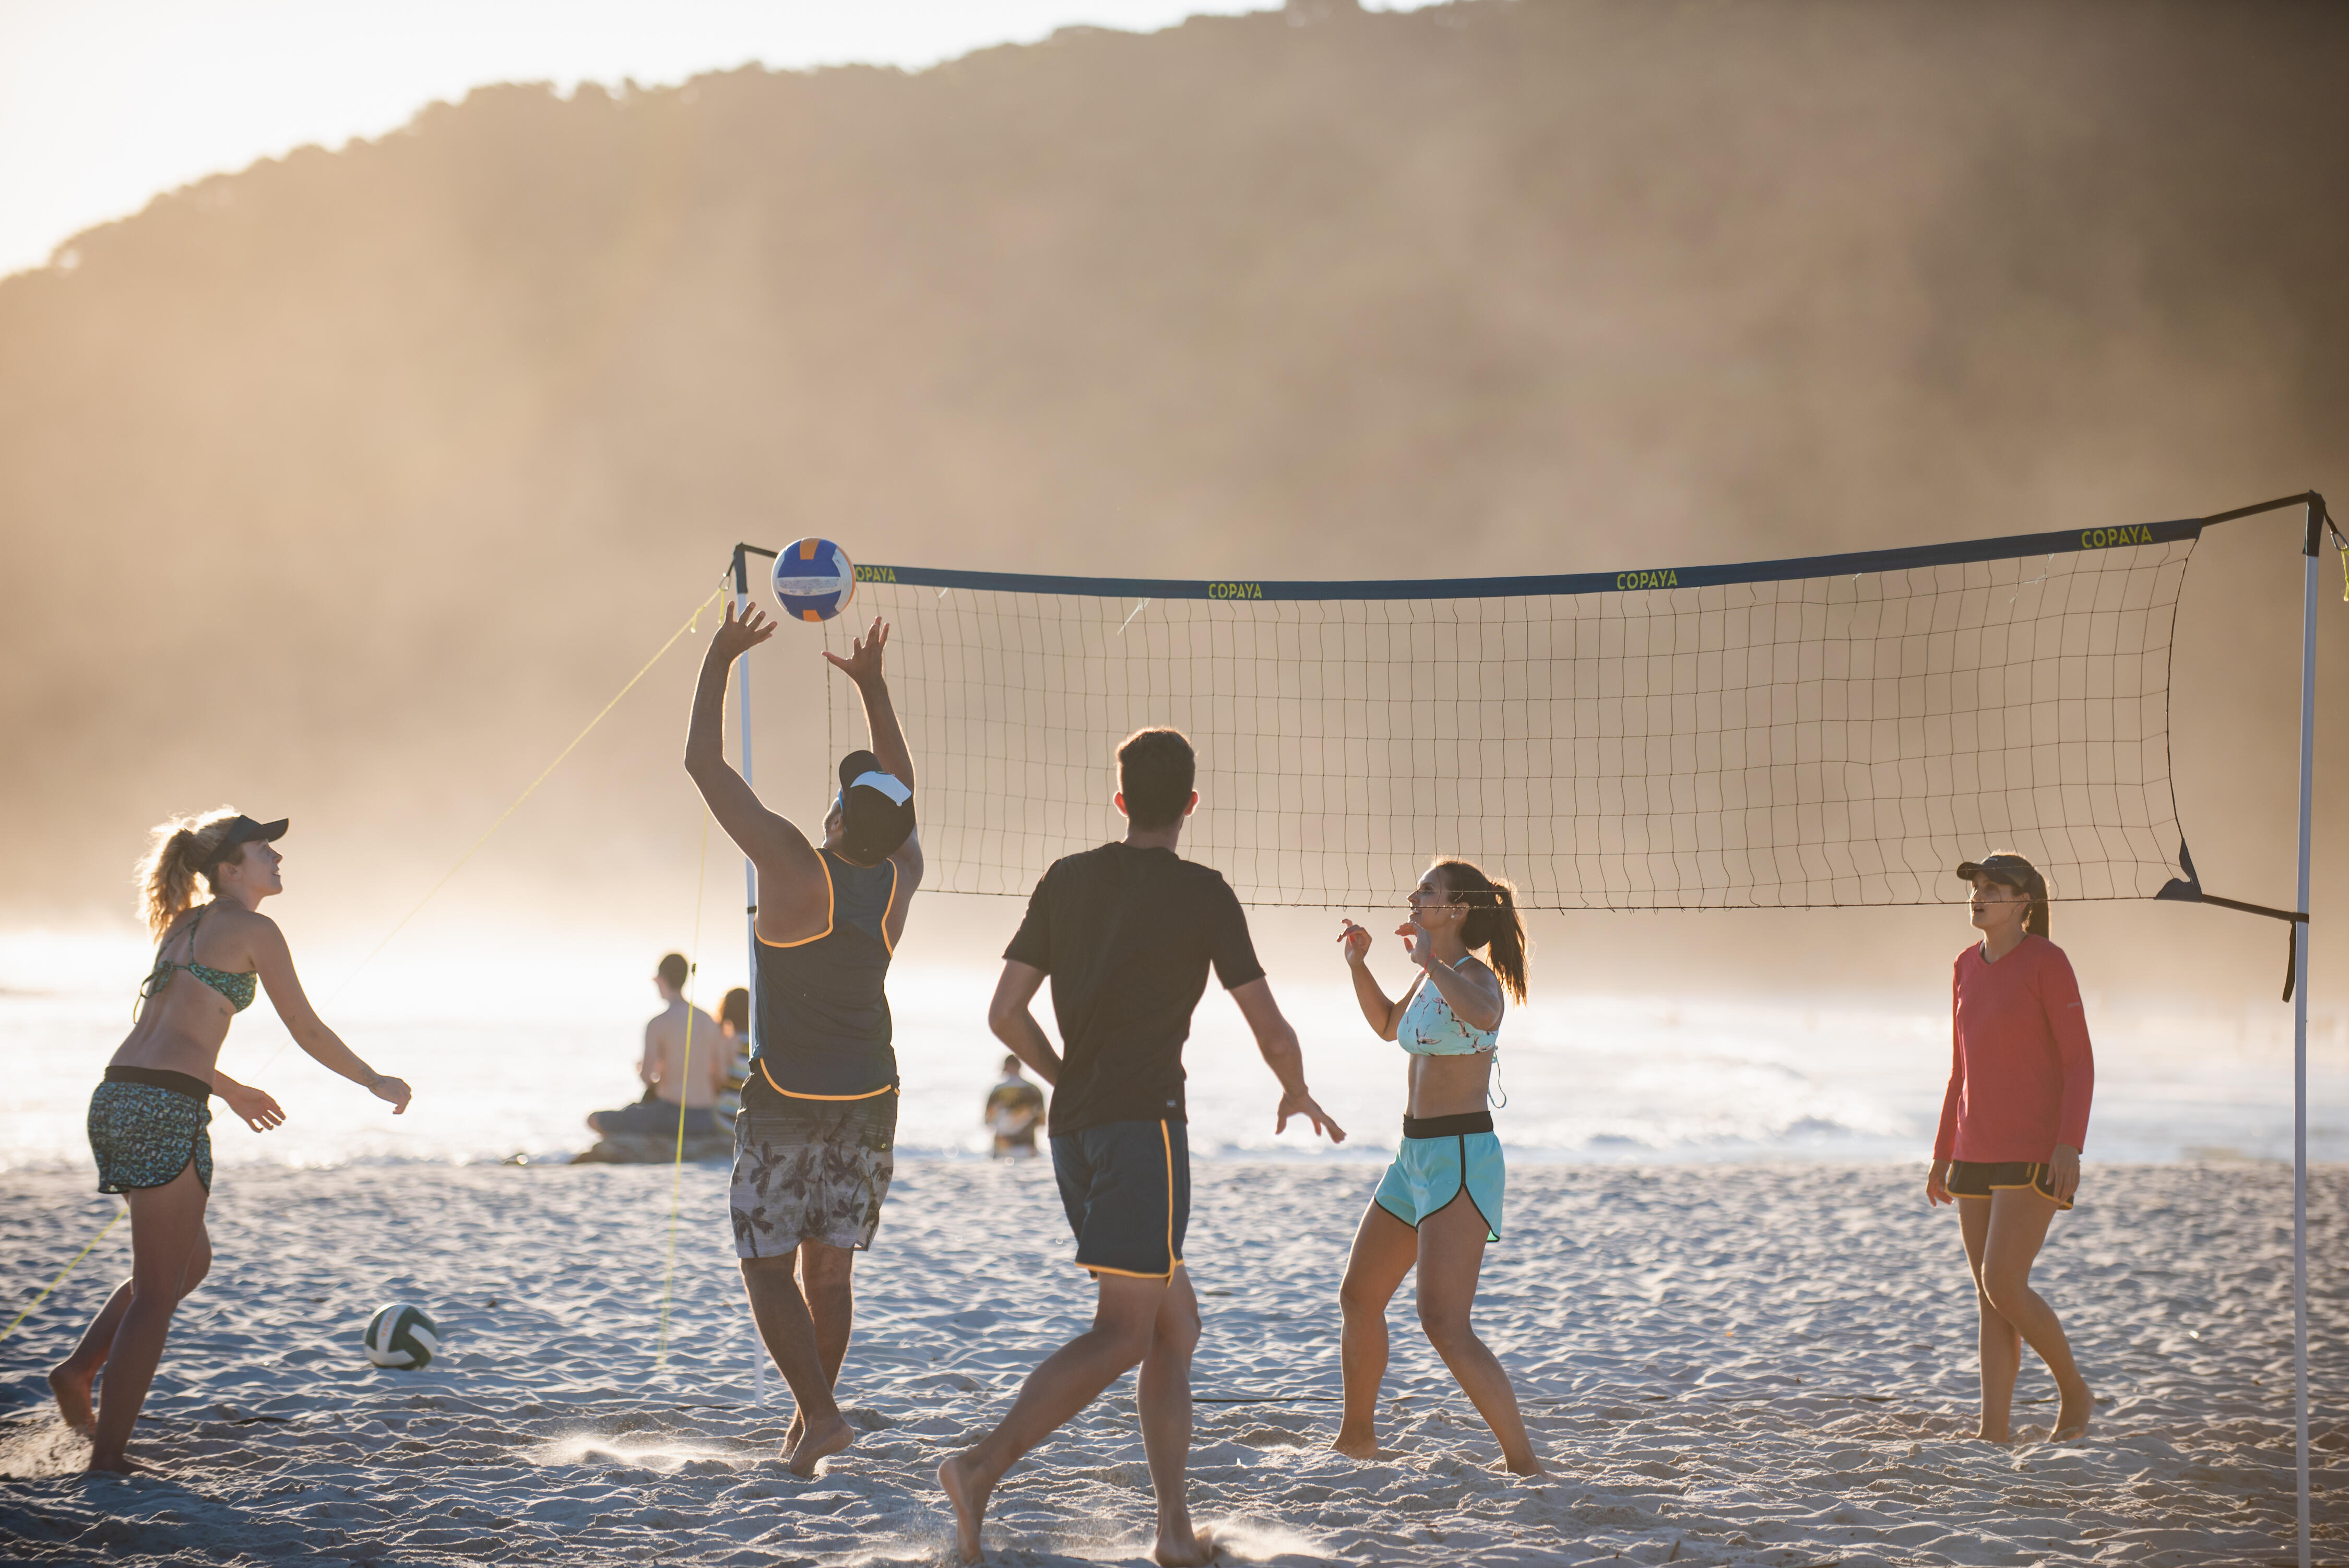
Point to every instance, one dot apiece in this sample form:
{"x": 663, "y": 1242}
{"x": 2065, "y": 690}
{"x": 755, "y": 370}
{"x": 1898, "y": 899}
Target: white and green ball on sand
{"x": 403, "y": 1335}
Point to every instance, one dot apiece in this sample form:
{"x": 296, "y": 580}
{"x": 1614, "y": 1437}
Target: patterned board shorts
{"x": 144, "y": 1136}
{"x": 811, "y": 1170}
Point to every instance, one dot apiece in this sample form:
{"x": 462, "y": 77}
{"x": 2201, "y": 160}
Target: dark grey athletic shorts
{"x": 1126, "y": 1187}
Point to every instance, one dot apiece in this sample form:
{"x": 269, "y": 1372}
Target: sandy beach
{"x": 1765, "y": 1365}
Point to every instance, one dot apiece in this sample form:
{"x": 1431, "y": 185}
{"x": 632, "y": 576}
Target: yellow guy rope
{"x": 53, "y": 1285}
{"x": 691, "y": 623}
{"x": 676, "y": 1172}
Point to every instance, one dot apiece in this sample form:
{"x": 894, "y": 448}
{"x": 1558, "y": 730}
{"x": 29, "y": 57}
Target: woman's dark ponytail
{"x": 1492, "y": 920}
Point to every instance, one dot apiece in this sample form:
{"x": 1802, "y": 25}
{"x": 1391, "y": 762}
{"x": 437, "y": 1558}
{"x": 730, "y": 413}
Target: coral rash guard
{"x": 2021, "y": 1073}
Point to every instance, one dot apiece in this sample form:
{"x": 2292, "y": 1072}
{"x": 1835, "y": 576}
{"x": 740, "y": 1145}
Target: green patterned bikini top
{"x": 236, "y": 988}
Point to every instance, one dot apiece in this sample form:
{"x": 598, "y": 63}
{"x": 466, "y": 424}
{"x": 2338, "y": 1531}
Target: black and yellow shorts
{"x": 1126, "y": 1186}
{"x": 1969, "y": 1179}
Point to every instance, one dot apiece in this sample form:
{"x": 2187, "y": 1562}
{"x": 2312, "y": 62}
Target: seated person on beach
{"x": 1015, "y": 1107}
{"x": 676, "y": 1070}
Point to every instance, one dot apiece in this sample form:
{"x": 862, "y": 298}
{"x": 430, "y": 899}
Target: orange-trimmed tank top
{"x": 821, "y": 1026}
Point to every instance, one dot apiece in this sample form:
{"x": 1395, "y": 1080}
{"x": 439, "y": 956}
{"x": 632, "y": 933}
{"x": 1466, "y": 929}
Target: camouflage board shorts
{"x": 809, "y": 1170}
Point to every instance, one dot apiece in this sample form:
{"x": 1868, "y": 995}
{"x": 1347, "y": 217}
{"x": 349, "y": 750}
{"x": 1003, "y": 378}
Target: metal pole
{"x": 749, "y": 872}
{"x": 2300, "y": 1011}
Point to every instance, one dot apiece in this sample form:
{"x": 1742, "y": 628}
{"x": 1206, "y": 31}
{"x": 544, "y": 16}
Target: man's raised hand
{"x": 735, "y": 638}
{"x": 864, "y": 661}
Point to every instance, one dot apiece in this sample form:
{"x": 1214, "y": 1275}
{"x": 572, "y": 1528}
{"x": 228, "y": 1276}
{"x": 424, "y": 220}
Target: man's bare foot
{"x": 71, "y": 1388}
{"x": 819, "y": 1443}
{"x": 792, "y": 1437}
{"x": 118, "y": 1464}
{"x": 1180, "y": 1546}
{"x": 958, "y": 1478}
{"x": 1530, "y": 1465}
{"x": 1355, "y": 1445}
{"x": 2072, "y": 1417}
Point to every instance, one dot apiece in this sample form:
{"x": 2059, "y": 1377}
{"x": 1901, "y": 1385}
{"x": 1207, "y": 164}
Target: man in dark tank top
{"x": 814, "y": 1142}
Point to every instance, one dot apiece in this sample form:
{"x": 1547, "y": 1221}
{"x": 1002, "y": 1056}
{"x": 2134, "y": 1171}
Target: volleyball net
{"x": 1834, "y": 731}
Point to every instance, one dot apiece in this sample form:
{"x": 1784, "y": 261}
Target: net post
{"x": 749, "y": 872}
{"x": 2300, "y": 1013}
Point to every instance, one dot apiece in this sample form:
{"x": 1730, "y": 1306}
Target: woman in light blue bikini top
{"x": 1455, "y": 909}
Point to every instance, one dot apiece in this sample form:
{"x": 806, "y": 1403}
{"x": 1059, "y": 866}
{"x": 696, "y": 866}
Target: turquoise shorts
{"x": 1437, "y": 1157}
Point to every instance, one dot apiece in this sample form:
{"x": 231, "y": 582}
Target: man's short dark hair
{"x": 1156, "y": 769}
{"x": 672, "y": 969}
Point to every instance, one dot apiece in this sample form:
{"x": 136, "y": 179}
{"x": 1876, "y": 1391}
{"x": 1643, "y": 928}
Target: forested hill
{"x": 351, "y": 482}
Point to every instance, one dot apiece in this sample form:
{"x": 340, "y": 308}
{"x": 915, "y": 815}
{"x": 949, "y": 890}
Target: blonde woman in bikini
{"x": 2013, "y": 1125}
{"x": 1440, "y": 1202}
{"x": 148, "y": 1119}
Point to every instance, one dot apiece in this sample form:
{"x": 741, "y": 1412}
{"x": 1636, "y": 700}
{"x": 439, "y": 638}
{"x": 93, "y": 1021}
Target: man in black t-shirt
{"x": 1127, "y": 932}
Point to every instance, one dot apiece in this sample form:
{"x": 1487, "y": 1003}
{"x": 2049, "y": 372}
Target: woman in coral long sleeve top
{"x": 2013, "y": 1125}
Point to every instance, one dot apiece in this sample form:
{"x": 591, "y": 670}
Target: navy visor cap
{"x": 877, "y": 809}
{"x": 2013, "y": 870}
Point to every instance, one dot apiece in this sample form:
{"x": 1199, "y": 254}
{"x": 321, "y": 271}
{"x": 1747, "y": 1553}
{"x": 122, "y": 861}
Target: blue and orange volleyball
{"x": 813, "y": 580}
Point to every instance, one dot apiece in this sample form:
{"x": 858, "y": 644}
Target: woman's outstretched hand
{"x": 1416, "y": 944}
{"x": 864, "y": 661}
{"x": 1355, "y": 940}
{"x": 252, "y": 1106}
{"x": 1937, "y": 1186}
{"x": 394, "y": 1090}
{"x": 734, "y": 638}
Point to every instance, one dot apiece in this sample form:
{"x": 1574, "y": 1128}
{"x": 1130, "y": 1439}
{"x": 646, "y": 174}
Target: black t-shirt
{"x": 1127, "y": 936}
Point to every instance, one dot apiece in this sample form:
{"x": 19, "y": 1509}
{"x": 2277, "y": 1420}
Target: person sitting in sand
{"x": 734, "y": 1024}
{"x": 1440, "y": 1202}
{"x": 1127, "y": 932}
{"x": 813, "y": 1144}
{"x": 149, "y": 1120}
{"x": 2014, "y": 1122}
{"x": 1015, "y": 1107}
{"x": 683, "y": 1067}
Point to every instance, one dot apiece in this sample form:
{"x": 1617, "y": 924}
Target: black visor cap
{"x": 2014, "y": 871}
{"x": 872, "y": 825}
{"x": 244, "y": 830}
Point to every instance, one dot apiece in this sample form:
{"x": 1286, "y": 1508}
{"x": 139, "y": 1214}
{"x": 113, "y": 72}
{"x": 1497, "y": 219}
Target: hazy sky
{"x": 104, "y": 103}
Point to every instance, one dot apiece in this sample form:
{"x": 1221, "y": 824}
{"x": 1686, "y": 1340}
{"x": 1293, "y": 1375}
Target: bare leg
{"x": 825, "y": 1283}
{"x": 70, "y": 1380}
{"x": 1069, "y": 1379}
{"x": 1451, "y": 1256}
{"x": 1999, "y": 1345}
{"x": 1163, "y": 1395}
{"x": 1385, "y": 1249}
{"x": 167, "y": 1238}
{"x": 789, "y": 1333}
{"x": 2017, "y": 1227}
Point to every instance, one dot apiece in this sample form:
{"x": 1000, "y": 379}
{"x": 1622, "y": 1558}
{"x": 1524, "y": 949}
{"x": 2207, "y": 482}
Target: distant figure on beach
{"x": 813, "y": 1144}
{"x": 734, "y": 1024}
{"x": 684, "y": 1066}
{"x": 149, "y": 1120}
{"x": 1440, "y": 1202}
{"x": 1127, "y": 932}
{"x": 1014, "y": 1108}
{"x": 2013, "y": 1125}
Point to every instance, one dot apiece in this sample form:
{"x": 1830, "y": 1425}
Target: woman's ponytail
{"x": 1492, "y": 920}
{"x": 180, "y": 850}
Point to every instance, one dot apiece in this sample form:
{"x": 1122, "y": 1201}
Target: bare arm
{"x": 255, "y": 1107}
{"x": 648, "y": 1066}
{"x": 1277, "y": 1043}
{"x": 790, "y": 873}
{"x": 863, "y": 665}
{"x": 276, "y": 963}
{"x": 1473, "y": 995}
{"x": 1008, "y": 1014}
{"x": 1383, "y": 1017}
